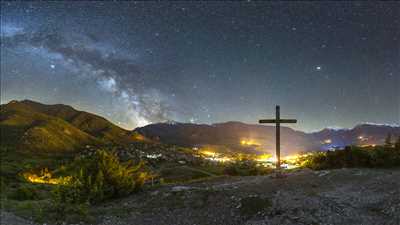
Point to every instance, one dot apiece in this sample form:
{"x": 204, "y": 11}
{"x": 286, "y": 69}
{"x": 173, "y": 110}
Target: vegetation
{"x": 245, "y": 168}
{"x": 353, "y": 156}
{"x": 34, "y": 185}
{"x": 35, "y": 127}
{"x": 388, "y": 140}
{"x": 100, "y": 177}
{"x": 397, "y": 143}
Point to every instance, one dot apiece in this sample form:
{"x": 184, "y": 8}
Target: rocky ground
{"x": 344, "y": 196}
{"x": 10, "y": 219}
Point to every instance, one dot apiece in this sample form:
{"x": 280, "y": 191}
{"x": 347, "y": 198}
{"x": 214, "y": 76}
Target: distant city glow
{"x": 363, "y": 138}
{"x": 249, "y": 142}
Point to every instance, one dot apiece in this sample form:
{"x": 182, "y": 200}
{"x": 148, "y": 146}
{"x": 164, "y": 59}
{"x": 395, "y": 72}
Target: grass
{"x": 181, "y": 173}
{"x": 19, "y": 196}
{"x": 36, "y": 127}
{"x": 35, "y": 210}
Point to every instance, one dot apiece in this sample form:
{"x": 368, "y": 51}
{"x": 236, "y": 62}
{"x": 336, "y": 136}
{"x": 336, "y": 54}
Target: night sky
{"x": 326, "y": 64}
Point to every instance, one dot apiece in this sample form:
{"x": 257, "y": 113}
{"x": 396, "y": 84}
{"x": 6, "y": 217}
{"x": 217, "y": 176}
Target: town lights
{"x": 45, "y": 178}
{"x": 249, "y": 142}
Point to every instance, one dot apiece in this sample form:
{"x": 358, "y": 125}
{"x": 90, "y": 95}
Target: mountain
{"x": 34, "y": 126}
{"x": 261, "y": 138}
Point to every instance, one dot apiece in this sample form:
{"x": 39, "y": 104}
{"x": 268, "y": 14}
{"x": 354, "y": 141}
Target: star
{"x": 157, "y": 62}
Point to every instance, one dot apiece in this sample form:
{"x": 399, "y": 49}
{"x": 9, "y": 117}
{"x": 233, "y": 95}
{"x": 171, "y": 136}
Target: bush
{"x": 98, "y": 178}
{"x": 377, "y": 157}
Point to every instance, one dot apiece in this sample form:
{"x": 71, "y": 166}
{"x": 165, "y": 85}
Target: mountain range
{"x": 34, "y": 126}
{"x": 261, "y": 138}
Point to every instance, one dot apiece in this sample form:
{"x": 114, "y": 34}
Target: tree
{"x": 397, "y": 144}
{"x": 388, "y": 140}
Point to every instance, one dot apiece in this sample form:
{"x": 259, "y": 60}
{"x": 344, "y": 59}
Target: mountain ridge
{"x": 60, "y": 126}
{"x": 33, "y": 126}
{"x": 292, "y": 141}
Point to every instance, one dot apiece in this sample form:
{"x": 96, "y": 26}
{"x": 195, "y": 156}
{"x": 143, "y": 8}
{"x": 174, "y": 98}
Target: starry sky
{"x": 330, "y": 64}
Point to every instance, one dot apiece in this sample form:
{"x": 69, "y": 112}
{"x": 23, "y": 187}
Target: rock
{"x": 323, "y": 173}
{"x": 154, "y": 193}
{"x": 180, "y": 188}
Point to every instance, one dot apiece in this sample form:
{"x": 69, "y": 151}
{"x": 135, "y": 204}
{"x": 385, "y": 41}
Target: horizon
{"x": 210, "y": 124}
{"x": 327, "y": 64}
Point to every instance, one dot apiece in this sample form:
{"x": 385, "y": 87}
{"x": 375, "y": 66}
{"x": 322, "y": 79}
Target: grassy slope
{"x": 27, "y": 129}
{"x": 35, "y": 126}
{"x": 92, "y": 124}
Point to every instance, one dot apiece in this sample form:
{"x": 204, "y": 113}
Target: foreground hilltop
{"x": 34, "y": 126}
{"x": 343, "y": 196}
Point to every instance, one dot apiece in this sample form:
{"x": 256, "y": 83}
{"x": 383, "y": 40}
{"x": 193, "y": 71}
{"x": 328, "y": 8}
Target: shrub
{"x": 315, "y": 161}
{"x": 380, "y": 156}
{"x": 100, "y": 177}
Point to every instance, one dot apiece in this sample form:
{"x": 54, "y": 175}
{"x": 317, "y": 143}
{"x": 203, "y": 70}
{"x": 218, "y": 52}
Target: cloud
{"x": 8, "y": 30}
{"x": 115, "y": 73}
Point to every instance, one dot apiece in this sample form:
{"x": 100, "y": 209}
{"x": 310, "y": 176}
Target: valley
{"x": 189, "y": 173}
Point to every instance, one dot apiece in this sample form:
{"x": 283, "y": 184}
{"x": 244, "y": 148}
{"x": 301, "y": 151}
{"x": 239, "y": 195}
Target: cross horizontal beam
{"x": 278, "y": 121}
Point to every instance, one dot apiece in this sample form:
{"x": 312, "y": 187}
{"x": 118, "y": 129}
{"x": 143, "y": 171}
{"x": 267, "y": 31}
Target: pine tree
{"x": 388, "y": 140}
{"x": 397, "y": 144}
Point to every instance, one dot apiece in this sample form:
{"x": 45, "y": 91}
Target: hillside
{"x": 34, "y": 126}
{"x": 241, "y": 136}
{"x": 90, "y": 123}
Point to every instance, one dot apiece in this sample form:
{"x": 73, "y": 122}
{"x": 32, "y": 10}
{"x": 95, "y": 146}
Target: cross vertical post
{"x": 278, "y": 122}
{"x": 278, "y": 137}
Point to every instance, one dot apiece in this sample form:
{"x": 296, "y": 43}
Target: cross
{"x": 278, "y": 122}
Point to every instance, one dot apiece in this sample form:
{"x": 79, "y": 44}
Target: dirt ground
{"x": 343, "y": 196}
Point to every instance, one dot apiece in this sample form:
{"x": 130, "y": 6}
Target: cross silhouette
{"x": 278, "y": 122}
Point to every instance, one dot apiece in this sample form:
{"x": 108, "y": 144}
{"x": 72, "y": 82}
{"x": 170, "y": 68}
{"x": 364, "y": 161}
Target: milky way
{"x": 326, "y": 64}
